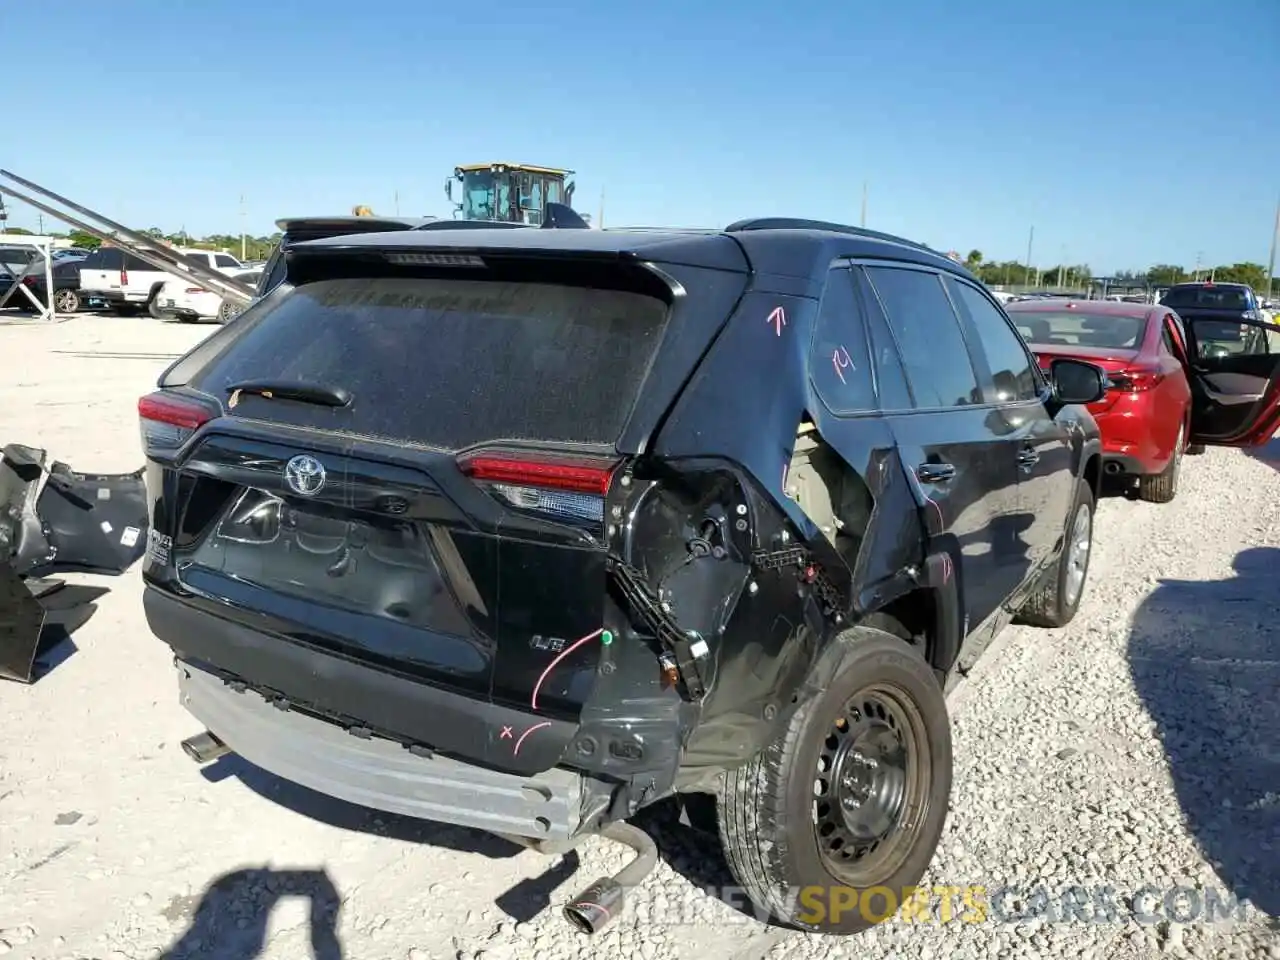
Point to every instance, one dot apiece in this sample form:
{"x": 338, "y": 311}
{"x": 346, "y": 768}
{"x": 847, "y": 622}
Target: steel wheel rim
{"x": 870, "y": 785}
{"x": 1078, "y": 552}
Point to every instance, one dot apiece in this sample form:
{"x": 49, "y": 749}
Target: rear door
{"x": 1046, "y": 478}
{"x": 1235, "y": 381}
{"x": 960, "y": 449}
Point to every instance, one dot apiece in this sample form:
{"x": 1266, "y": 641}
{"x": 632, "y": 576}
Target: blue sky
{"x": 1125, "y": 133}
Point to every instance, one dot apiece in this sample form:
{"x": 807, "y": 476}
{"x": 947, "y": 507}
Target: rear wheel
{"x": 66, "y": 301}
{"x": 828, "y": 824}
{"x": 1057, "y": 597}
{"x": 1163, "y": 486}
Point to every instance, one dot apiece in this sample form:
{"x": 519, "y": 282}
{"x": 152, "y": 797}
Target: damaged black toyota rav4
{"x": 526, "y": 530}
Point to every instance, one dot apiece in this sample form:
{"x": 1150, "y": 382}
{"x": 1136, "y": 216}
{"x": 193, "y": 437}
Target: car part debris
{"x": 53, "y": 519}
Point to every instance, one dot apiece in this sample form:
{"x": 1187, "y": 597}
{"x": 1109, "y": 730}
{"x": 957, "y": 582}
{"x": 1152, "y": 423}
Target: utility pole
{"x": 600, "y": 212}
{"x": 864, "y": 205}
{"x": 1196, "y": 274}
{"x": 396, "y": 203}
{"x": 1271, "y": 260}
{"x": 243, "y": 236}
{"x": 1030, "y": 238}
{"x": 40, "y": 224}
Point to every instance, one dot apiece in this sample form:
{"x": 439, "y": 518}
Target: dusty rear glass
{"x": 1207, "y": 298}
{"x": 1079, "y": 329}
{"x": 449, "y": 363}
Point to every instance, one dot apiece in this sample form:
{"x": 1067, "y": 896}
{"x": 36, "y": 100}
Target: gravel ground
{"x": 1134, "y": 750}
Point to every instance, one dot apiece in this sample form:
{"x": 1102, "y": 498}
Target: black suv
{"x": 525, "y": 530}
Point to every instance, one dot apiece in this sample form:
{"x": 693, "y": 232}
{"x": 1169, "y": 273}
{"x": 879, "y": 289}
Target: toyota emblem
{"x": 305, "y": 475}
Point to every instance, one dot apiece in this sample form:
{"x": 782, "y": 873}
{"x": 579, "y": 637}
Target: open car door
{"x": 1235, "y": 381}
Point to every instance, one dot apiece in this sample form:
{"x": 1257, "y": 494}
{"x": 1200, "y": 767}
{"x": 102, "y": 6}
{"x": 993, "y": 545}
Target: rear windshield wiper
{"x": 321, "y": 394}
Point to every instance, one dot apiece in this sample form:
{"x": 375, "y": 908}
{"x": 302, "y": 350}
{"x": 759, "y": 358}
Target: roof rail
{"x": 798, "y": 223}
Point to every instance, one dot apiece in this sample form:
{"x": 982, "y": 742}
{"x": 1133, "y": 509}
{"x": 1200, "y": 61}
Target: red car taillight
{"x": 124, "y": 277}
{"x": 567, "y": 487}
{"x": 1135, "y": 379}
{"x": 167, "y": 421}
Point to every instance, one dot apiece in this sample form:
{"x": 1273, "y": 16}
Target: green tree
{"x": 85, "y": 240}
{"x": 1254, "y": 274}
{"x": 973, "y": 261}
{"x": 1165, "y": 274}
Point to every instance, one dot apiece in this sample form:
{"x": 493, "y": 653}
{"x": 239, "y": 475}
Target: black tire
{"x": 227, "y": 312}
{"x": 67, "y": 300}
{"x": 767, "y": 809}
{"x": 1195, "y": 450}
{"x": 153, "y": 308}
{"x": 1053, "y": 603}
{"x": 1162, "y": 487}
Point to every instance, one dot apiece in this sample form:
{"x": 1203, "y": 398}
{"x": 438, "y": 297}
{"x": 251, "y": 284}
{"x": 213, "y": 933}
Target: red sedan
{"x": 1145, "y": 418}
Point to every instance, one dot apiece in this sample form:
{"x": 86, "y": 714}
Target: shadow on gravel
{"x": 1205, "y": 659}
{"x": 230, "y": 920}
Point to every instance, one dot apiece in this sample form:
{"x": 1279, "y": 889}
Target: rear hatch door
{"x": 434, "y": 505}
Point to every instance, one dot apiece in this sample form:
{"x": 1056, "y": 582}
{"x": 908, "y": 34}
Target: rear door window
{"x": 1013, "y": 377}
{"x": 927, "y": 330}
{"x": 222, "y": 260}
{"x": 838, "y": 359}
{"x": 448, "y": 363}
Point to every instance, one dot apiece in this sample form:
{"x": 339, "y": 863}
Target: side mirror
{"x": 448, "y": 189}
{"x": 1075, "y": 381}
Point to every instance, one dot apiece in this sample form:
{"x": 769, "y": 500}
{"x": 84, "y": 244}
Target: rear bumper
{"x": 379, "y": 773}
{"x": 352, "y": 696}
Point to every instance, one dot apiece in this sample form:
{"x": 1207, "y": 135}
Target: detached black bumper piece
{"x": 53, "y": 519}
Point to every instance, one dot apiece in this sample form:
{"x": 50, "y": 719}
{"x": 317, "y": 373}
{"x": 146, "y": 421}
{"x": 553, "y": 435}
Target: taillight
{"x": 564, "y": 487}
{"x": 195, "y": 290}
{"x": 124, "y": 277}
{"x": 1134, "y": 380}
{"x": 168, "y": 421}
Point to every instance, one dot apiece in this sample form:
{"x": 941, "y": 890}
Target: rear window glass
{"x": 1077, "y": 328}
{"x": 450, "y": 363}
{"x": 1208, "y": 298}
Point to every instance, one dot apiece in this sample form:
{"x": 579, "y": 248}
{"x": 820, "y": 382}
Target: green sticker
{"x": 606, "y": 637}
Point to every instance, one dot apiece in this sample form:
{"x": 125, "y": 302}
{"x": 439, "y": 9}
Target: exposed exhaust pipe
{"x": 1113, "y": 467}
{"x": 204, "y": 747}
{"x": 592, "y": 909}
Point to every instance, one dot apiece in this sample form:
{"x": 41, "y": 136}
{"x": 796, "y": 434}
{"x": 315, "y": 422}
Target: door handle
{"x": 1027, "y": 457}
{"x": 935, "y": 472}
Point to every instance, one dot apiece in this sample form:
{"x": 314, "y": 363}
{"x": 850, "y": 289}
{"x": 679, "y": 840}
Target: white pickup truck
{"x": 127, "y": 284}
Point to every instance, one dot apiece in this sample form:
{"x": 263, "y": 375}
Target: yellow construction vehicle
{"x": 508, "y": 192}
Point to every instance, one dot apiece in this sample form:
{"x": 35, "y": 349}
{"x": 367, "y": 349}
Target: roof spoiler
{"x": 145, "y": 248}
